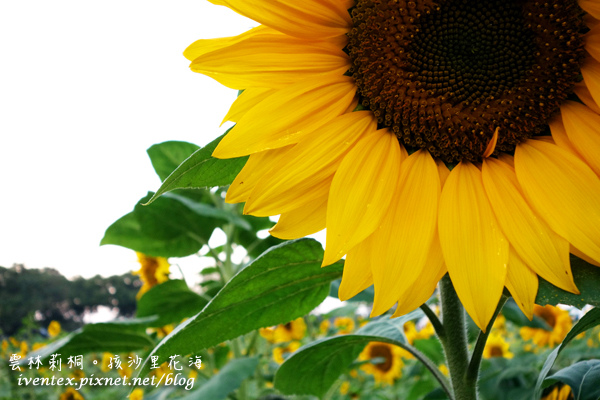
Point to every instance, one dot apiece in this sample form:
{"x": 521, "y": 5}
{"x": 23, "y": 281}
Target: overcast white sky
{"x": 86, "y": 87}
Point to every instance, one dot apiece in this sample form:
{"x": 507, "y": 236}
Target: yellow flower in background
{"x": 444, "y": 370}
{"x": 164, "y": 330}
{"x": 344, "y": 387}
{"x": 37, "y": 346}
{"x": 14, "y": 341}
{"x": 71, "y": 394}
{"x": 106, "y": 358}
{"x": 559, "y": 393}
{"x": 154, "y": 270}
{"x": 557, "y": 319}
{"x": 294, "y": 330}
{"x": 524, "y": 186}
{"x": 137, "y": 394}
{"x": 280, "y": 353}
{"x": 324, "y": 326}
{"x": 77, "y": 374}
{"x": 390, "y": 364}
{"x": 54, "y": 328}
{"x": 4, "y": 346}
{"x": 23, "y": 347}
{"x": 496, "y": 346}
{"x": 345, "y": 325}
{"x": 412, "y": 334}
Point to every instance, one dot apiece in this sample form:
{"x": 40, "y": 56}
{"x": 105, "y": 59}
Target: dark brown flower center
{"x": 496, "y": 351}
{"x": 548, "y": 316}
{"x": 382, "y": 351}
{"x": 444, "y": 75}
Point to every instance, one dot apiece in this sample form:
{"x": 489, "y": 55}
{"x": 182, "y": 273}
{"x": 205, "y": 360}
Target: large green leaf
{"x": 315, "y": 367}
{"x": 587, "y": 279}
{"x": 167, "y": 156}
{"x": 171, "y": 301}
{"x": 583, "y": 377}
{"x": 114, "y": 337}
{"x": 588, "y": 321}
{"x": 281, "y": 285}
{"x": 226, "y": 381}
{"x": 201, "y": 170}
{"x": 166, "y": 228}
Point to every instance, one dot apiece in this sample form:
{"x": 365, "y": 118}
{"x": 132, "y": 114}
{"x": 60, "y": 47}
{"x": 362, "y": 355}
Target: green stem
{"x": 455, "y": 342}
{"x": 473, "y": 370}
{"x": 435, "y": 321}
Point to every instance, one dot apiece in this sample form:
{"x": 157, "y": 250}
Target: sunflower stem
{"x": 455, "y": 341}
{"x": 473, "y": 371}
{"x": 435, "y": 321}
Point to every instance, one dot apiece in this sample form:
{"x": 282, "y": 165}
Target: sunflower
{"x": 294, "y": 330}
{"x": 345, "y": 325}
{"x": 496, "y": 346}
{"x": 559, "y": 322}
{"x": 281, "y": 353}
{"x": 153, "y": 271}
{"x": 71, "y": 394}
{"x": 387, "y": 365}
{"x": 427, "y": 136}
{"x": 54, "y": 328}
{"x": 559, "y": 393}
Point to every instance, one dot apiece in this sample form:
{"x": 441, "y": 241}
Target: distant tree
{"x": 46, "y": 295}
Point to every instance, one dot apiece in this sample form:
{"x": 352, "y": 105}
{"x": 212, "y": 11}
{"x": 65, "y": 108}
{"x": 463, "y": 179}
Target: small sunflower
{"x": 388, "y": 366}
{"x": 558, "y": 320}
{"x": 54, "y": 328}
{"x": 294, "y": 330}
{"x": 473, "y": 149}
{"x": 71, "y": 394}
{"x": 559, "y": 393}
{"x": 496, "y": 346}
{"x": 345, "y": 325}
{"x": 281, "y": 353}
{"x": 154, "y": 270}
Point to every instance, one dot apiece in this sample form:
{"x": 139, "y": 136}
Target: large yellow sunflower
{"x": 474, "y": 149}
{"x": 389, "y": 361}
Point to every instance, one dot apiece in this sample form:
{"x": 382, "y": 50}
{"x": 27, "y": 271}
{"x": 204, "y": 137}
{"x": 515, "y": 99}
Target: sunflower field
{"x": 406, "y": 207}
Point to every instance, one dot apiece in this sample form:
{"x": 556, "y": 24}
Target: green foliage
{"x": 201, "y": 170}
{"x": 283, "y": 284}
{"x": 115, "y": 337}
{"x": 589, "y": 320}
{"x": 587, "y": 279}
{"x": 170, "y": 301}
{"x": 583, "y": 378}
{"x": 51, "y": 296}
{"x": 167, "y": 156}
{"x": 166, "y": 228}
{"x": 226, "y": 381}
{"x": 316, "y": 366}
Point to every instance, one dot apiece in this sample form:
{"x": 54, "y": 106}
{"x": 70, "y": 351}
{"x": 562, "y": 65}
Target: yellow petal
{"x": 294, "y": 198}
{"x": 583, "y": 128}
{"x": 474, "y": 248}
{"x": 591, "y": 7}
{"x": 308, "y": 18}
{"x": 265, "y": 60}
{"x": 559, "y": 134}
{"x": 287, "y": 115}
{"x": 536, "y": 244}
{"x": 248, "y": 99}
{"x": 584, "y": 95}
{"x": 310, "y": 161}
{"x": 590, "y": 70}
{"x": 361, "y": 192}
{"x": 257, "y": 165}
{"x": 443, "y": 170}
{"x": 522, "y": 283}
{"x": 402, "y": 243}
{"x": 585, "y": 258}
{"x": 203, "y": 46}
{"x": 305, "y": 220}
{"x": 564, "y": 191}
{"x": 424, "y": 286}
{"x": 357, "y": 274}
{"x": 491, "y": 147}
{"x": 592, "y": 41}
{"x": 507, "y": 159}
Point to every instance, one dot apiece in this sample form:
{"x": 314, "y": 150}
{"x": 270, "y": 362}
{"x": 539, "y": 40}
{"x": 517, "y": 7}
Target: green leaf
{"x": 226, "y": 381}
{"x": 114, "y": 337}
{"x": 589, "y": 320}
{"x": 316, "y": 366}
{"x": 201, "y": 170}
{"x": 587, "y": 279}
{"x": 171, "y": 301}
{"x": 167, "y": 156}
{"x": 281, "y": 285}
{"x": 166, "y": 228}
{"x": 583, "y": 377}
{"x": 251, "y": 242}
